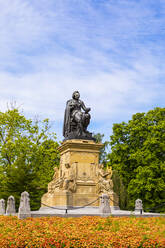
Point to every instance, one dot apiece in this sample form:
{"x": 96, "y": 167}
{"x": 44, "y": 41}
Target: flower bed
{"x": 82, "y": 232}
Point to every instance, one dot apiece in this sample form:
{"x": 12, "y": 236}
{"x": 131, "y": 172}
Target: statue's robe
{"x": 67, "y": 121}
{"x": 73, "y": 108}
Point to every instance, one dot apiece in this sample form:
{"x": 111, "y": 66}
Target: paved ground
{"x": 88, "y": 211}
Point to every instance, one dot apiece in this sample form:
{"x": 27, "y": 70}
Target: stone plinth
{"x": 24, "y": 207}
{"x": 10, "y": 210}
{"x": 2, "y": 206}
{"x": 80, "y": 179}
{"x": 104, "y": 205}
{"x": 59, "y": 198}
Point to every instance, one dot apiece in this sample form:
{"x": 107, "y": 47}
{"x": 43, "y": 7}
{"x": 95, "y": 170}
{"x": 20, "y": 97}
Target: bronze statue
{"x": 75, "y": 120}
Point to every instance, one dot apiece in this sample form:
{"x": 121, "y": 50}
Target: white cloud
{"x": 113, "y": 53}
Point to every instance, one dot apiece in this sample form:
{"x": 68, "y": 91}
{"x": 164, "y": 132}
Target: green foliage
{"x": 138, "y": 154}
{"x": 103, "y": 154}
{"x": 28, "y": 154}
{"x": 120, "y": 190}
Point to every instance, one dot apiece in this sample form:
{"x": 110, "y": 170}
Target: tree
{"x": 118, "y": 186}
{"x": 120, "y": 189}
{"x": 99, "y": 139}
{"x": 28, "y": 154}
{"x": 138, "y": 154}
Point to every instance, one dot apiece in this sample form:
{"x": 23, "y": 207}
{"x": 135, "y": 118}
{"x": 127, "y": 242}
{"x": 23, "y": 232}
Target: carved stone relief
{"x": 105, "y": 183}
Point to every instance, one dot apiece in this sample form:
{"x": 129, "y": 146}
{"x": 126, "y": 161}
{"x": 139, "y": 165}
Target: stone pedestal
{"x": 10, "y": 210}
{"x": 76, "y": 183}
{"x": 59, "y": 198}
{"x": 105, "y": 205}
{"x": 2, "y": 207}
{"x": 24, "y": 207}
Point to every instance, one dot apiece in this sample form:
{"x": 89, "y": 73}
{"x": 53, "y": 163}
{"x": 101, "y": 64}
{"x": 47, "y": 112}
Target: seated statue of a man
{"x": 75, "y": 120}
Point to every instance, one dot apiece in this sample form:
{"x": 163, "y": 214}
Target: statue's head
{"x": 67, "y": 165}
{"x": 76, "y": 95}
{"x": 101, "y": 166}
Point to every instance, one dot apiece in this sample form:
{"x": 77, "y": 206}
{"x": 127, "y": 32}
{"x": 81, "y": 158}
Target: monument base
{"x": 83, "y": 197}
{"x": 78, "y": 182}
{"x": 61, "y": 198}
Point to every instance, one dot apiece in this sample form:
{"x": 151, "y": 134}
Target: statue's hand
{"x": 87, "y": 110}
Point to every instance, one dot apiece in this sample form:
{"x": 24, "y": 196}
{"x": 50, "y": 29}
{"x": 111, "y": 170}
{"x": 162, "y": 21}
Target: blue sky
{"x": 112, "y": 51}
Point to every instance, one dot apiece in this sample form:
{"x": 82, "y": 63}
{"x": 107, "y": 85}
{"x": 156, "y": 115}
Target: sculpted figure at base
{"x": 76, "y": 119}
{"x": 68, "y": 179}
{"x": 105, "y": 184}
{"x": 65, "y": 182}
{"x": 55, "y": 183}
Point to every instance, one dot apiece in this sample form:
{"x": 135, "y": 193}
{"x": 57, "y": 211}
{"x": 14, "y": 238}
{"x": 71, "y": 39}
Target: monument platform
{"x": 80, "y": 179}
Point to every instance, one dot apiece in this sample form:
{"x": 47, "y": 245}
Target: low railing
{"x": 79, "y": 207}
